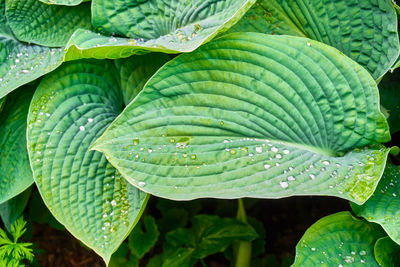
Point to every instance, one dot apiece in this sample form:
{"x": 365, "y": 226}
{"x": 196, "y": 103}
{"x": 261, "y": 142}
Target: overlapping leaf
{"x": 383, "y": 206}
{"x": 366, "y": 30}
{"x": 338, "y": 240}
{"x": 12, "y": 209}
{"x": 21, "y": 63}
{"x": 252, "y": 115}
{"x": 70, "y": 109}
{"x": 15, "y": 171}
{"x": 387, "y": 252}
{"x": 35, "y": 22}
{"x": 136, "y": 70}
{"x": 157, "y": 25}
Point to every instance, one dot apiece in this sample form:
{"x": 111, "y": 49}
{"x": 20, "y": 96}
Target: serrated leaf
{"x": 136, "y": 70}
{"x": 208, "y": 235}
{"x": 179, "y": 26}
{"x": 35, "y": 22}
{"x": 387, "y": 252}
{"x": 253, "y": 115}
{"x": 21, "y": 63}
{"x": 382, "y": 207}
{"x": 12, "y": 209}
{"x": 70, "y": 109}
{"x": 64, "y": 2}
{"x": 366, "y": 31}
{"x": 142, "y": 240}
{"x": 338, "y": 240}
{"x": 15, "y": 171}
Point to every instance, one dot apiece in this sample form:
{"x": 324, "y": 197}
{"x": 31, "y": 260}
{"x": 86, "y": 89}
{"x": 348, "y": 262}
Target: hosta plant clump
{"x": 127, "y": 124}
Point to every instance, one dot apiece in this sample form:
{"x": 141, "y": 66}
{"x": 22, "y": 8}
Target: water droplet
{"x": 312, "y": 176}
{"x": 259, "y": 149}
{"x": 284, "y": 184}
{"x": 278, "y": 156}
{"x": 141, "y": 184}
{"x": 135, "y": 141}
{"x": 363, "y": 253}
{"x": 90, "y": 120}
{"x": 313, "y": 249}
{"x": 326, "y": 162}
{"x": 113, "y": 203}
{"x": 274, "y": 149}
{"x": 266, "y": 166}
{"x": 193, "y": 157}
{"x": 286, "y": 151}
{"x": 291, "y": 178}
{"x": 82, "y": 128}
{"x": 308, "y": 44}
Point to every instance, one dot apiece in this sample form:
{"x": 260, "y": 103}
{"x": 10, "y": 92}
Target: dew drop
{"x": 278, "y": 156}
{"x": 286, "y": 151}
{"x": 141, "y": 184}
{"x": 274, "y": 149}
{"x": 82, "y": 128}
{"x": 312, "y": 176}
{"x": 266, "y": 166}
{"x": 113, "y": 203}
{"x": 291, "y": 178}
{"x": 90, "y": 120}
{"x": 259, "y": 149}
{"x": 284, "y": 184}
{"x": 326, "y": 162}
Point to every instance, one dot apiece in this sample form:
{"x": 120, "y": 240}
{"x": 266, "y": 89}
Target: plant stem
{"x": 242, "y": 249}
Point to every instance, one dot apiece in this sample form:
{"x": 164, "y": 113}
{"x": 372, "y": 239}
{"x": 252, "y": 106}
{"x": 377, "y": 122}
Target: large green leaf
{"x": 383, "y": 206}
{"x": 35, "y": 22}
{"x": 387, "y": 252}
{"x": 208, "y": 235}
{"x": 177, "y": 26}
{"x": 21, "y": 63}
{"x": 364, "y": 30}
{"x": 15, "y": 171}
{"x": 70, "y": 109}
{"x": 338, "y": 240}
{"x": 253, "y": 115}
{"x": 136, "y": 70}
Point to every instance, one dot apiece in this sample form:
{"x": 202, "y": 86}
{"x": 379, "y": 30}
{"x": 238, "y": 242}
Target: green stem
{"x": 242, "y": 249}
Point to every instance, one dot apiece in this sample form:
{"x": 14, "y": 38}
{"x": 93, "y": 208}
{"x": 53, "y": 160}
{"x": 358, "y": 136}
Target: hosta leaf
{"x": 338, "y": 240}
{"x": 136, "y": 70}
{"x": 365, "y": 30}
{"x": 63, "y": 2}
{"x": 387, "y": 252}
{"x": 179, "y": 25}
{"x": 21, "y": 63}
{"x": 15, "y": 171}
{"x": 12, "y": 209}
{"x": 88, "y": 44}
{"x": 70, "y": 109}
{"x": 252, "y": 115}
{"x": 35, "y": 22}
{"x": 383, "y": 206}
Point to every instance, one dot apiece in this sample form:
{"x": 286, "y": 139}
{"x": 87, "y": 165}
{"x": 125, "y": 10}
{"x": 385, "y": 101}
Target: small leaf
{"x": 253, "y": 115}
{"x": 209, "y": 235}
{"x": 136, "y": 70}
{"x": 338, "y": 240}
{"x": 382, "y": 207}
{"x": 140, "y": 242}
{"x": 12, "y": 209}
{"x": 15, "y": 170}
{"x": 366, "y": 31}
{"x": 71, "y": 107}
{"x": 35, "y": 22}
{"x": 387, "y": 252}
{"x": 179, "y": 26}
